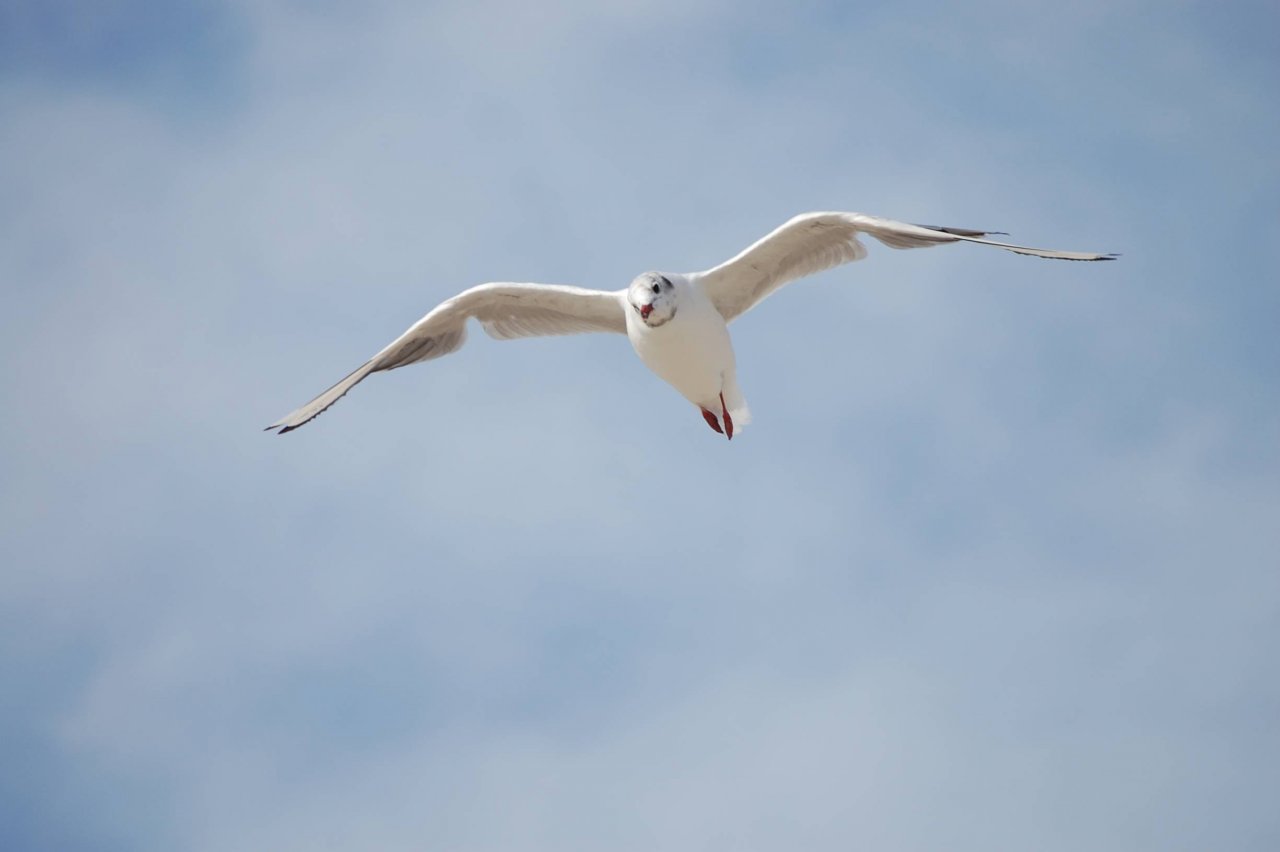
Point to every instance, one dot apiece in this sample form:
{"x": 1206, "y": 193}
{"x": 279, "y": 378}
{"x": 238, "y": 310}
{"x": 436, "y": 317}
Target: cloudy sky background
{"x": 994, "y": 568}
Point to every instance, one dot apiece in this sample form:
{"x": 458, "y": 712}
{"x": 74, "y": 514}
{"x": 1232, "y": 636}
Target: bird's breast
{"x": 691, "y": 352}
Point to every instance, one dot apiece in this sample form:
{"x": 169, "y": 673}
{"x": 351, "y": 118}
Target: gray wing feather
{"x": 812, "y": 242}
{"x": 505, "y": 311}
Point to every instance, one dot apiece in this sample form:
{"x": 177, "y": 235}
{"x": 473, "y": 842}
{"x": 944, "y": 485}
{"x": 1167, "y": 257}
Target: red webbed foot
{"x": 712, "y": 421}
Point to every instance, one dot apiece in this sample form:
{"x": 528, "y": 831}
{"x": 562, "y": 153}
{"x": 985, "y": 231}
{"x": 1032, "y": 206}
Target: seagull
{"x": 677, "y": 323}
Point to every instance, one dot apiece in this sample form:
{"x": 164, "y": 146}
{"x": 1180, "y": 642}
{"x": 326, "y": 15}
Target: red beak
{"x": 645, "y": 310}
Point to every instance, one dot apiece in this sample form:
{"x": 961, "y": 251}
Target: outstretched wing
{"x": 505, "y": 311}
{"x": 812, "y": 242}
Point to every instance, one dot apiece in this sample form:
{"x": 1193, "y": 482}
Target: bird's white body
{"x": 677, "y": 324}
{"x": 692, "y": 351}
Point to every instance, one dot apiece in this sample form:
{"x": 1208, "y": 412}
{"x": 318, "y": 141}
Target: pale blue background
{"x": 995, "y": 568}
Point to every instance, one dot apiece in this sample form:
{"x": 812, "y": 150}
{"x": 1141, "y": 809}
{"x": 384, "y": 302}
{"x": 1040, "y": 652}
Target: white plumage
{"x": 677, "y": 324}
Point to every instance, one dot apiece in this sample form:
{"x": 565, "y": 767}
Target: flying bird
{"x": 677, "y": 323}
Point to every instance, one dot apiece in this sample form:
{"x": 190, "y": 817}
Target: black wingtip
{"x": 963, "y": 232}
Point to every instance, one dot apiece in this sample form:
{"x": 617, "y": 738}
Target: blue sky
{"x": 993, "y": 568}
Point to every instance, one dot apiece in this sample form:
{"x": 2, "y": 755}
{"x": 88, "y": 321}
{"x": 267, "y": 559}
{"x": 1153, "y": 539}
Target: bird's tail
{"x": 734, "y": 401}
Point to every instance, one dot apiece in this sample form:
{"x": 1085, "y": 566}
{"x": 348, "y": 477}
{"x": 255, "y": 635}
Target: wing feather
{"x": 506, "y": 311}
{"x": 813, "y": 242}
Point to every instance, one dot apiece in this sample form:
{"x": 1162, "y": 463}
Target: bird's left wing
{"x": 812, "y": 242}
{"x": 505, "y": 311}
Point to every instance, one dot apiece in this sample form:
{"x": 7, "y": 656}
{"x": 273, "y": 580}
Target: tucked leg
{"x": 728, "y": 421}
{"x": 712, "y": 421}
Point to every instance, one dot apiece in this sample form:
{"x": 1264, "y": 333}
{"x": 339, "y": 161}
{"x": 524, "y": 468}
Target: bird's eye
{"x": 655, "y": 288}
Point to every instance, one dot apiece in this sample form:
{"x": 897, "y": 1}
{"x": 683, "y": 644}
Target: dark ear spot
{"x": 666, "y": 282}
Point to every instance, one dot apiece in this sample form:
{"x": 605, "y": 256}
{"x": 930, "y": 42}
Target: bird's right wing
{"x": 505, "y": 311}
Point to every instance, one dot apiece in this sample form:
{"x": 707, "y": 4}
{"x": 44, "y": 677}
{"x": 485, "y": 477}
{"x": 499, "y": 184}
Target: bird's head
{"x": 653, "y": 298}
